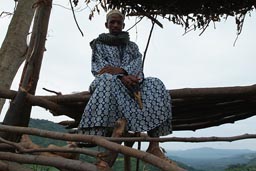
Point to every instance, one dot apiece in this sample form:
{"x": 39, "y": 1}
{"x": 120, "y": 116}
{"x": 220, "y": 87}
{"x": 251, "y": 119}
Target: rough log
{"x": 74, "y": 165}
{"x": 12, "y": 166}
{"x": 185, "y": 139}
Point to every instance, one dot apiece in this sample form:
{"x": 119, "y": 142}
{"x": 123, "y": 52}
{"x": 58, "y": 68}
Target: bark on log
{"x": 14, "y": 46}
{"x": 185, "y": 139}
{"x": 12, "y": 166}
{"x": 69, "y": 151}
{"x": 74, "y": 165}
{"x": 213, "y": 92}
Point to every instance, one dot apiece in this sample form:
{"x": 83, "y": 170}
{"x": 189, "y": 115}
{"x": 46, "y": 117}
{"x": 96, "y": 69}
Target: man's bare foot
{"x": 102, "y": 165}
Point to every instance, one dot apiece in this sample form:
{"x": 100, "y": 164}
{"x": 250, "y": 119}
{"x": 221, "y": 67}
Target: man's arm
{"x": 112, "y": 70}
{"x": 135, "y": 65}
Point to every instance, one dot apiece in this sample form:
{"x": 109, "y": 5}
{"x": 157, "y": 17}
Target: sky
{"x": 180, "y": 61}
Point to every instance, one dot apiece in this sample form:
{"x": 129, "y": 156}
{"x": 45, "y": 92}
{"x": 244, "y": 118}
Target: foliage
{"x": 40, "y": 168}
{"x": 250, "y": 166}
{"x": 241, "y": 167}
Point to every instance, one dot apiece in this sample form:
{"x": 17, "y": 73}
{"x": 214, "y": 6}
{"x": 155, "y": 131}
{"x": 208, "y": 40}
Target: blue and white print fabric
{"x": 111, "y": 100}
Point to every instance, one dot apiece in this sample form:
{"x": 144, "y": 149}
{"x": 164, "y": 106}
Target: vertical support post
{"x": 127, "y": 159}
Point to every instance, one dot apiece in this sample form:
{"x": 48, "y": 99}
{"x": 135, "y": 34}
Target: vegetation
{"x": 241, "y": 167}
{"x": 41, "y": 168}
{"x": 46, "y": 125}
{"x": 250, "y": 166}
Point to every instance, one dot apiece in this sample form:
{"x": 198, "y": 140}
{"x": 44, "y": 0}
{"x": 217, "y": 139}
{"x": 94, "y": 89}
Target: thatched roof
{"x": 191, "y": 14}
{"x": 184, "y": 7}
{"x": 197, "y": 108}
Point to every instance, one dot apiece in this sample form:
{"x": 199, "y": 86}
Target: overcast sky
{"x": 180, "y": 61}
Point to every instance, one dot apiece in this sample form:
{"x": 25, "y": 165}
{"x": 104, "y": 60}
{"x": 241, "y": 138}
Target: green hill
{"x": 250, "y": 166}
{"x": 209, "y": 153}
{"x": 46, "y": 125}
{"x": 201, "y": 159}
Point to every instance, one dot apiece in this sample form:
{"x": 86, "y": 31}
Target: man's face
{"x": 115, "y": 24}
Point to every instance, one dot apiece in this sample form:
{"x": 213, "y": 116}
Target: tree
{"x": 14, "y": 46}
{"x": 19, "y": 111}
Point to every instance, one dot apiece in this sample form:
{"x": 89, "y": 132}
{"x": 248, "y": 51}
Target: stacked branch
{"x": 66, "y": 157}
{"x": 205, "y": 107}
{"x": 193, "y": 108}
{"x": 73, "y": 164}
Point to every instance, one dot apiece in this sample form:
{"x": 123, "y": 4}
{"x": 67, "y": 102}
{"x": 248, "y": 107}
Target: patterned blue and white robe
{"x": 111, "y": 100}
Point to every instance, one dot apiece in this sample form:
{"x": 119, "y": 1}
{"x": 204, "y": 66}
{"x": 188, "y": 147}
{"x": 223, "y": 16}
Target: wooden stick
{"x": 147, "y": 157}
{"x": 74, "y": 165}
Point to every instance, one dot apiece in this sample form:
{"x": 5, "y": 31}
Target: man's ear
{"x": 106, "y": 25}
{"x": 123, "y": 25}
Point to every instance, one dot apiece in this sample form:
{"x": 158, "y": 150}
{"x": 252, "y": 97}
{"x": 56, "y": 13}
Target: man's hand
{"x": 130, "y": 80}
{"x": 112, "y": 70}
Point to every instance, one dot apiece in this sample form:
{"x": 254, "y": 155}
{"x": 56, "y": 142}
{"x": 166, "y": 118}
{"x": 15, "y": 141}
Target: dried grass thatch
{"x": 191, "y": 14}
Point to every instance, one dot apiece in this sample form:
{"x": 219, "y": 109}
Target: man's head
{"x": 115, "y": 21}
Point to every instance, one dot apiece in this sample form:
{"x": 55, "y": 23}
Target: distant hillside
{"x": 201, "y": 159}
{"x": 250, "y": 166}
{"x": 208, "y": 153}
{"x": 46, "y": 125}
{"x": 209, "y": 159}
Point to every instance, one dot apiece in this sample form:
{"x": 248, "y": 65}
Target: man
{"x": 120, "y": 89}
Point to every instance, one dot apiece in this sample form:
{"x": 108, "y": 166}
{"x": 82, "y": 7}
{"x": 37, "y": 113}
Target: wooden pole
{"x": 19, "y": 111}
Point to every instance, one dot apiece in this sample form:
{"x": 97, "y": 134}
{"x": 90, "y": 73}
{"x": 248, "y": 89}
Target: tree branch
{"x": 11, "y": 166}
{"x": 58, "y": 162}
{"x": 19, "y": 148}
{"x": 100, "y": 141}
{"x": 184, "y": 139}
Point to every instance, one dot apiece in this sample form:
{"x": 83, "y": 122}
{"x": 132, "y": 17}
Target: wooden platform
{"x": 193, "y": 108}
